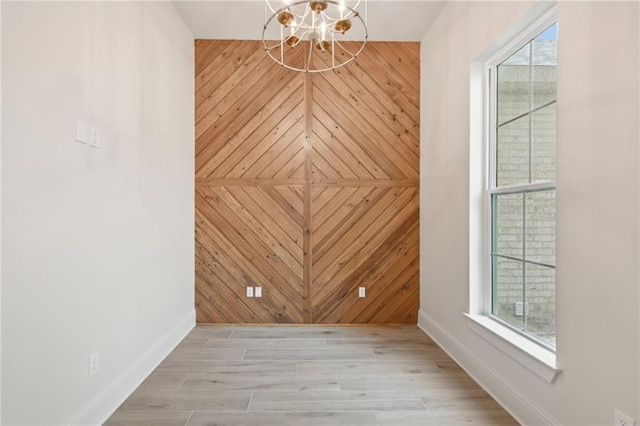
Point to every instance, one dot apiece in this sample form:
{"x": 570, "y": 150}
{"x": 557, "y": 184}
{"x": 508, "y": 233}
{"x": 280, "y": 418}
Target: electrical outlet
{"x": 249, "y": 291}
{"x": 362, "y": 292}
{"x": 94, "y": 364}
{"x": 94, "y": 137}
{"x": 258, "y": 292}
{"x": 521, "y": 308}
{"x": 620, "y": 419}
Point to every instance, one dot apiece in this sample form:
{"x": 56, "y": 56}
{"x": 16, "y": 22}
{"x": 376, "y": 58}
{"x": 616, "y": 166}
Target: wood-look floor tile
{"x": 206, "y": 353}
{"x": 147, "y": 418}
{"x": 283, "y": 419}
{"x": 458, "y": 400}
{"x": 193, "y": 342}
{"x": 310, "y": 354}
{"x": 381, "y": 343}
{"x": 210, "y": 332}
{"x": 286, "y": 333}
{"x": 449, "y": 366}
{"x": 267, "y": 343}
{"x": 298, "y": 375}
{"x": 404, "y": 382}
{"x": 391, "y": 332}
{"x": 261, "y": 381}
{"x": 410, "y": 354}
{"x": 157, "y": 381}
{"x": 205, "y": 366}
{"x": 183, "y": 400}
{"x": 335, "y": 401}
{"x": 368, "y": 367}
{"x": 430, "y": 418}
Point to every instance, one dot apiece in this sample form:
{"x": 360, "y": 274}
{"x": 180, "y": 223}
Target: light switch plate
{"x": 249, "y": 291}
{"x": 82, "y": 131}
{"x": 94, "y": 364}
{"x": 362, "y": 291}
{"x": 258, "y": 292}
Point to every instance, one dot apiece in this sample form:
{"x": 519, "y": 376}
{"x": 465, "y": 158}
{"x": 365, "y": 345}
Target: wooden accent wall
{"x": 306, "y": 185}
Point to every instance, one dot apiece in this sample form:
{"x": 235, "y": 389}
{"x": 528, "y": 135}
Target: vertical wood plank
{"x": 308, "y": 169}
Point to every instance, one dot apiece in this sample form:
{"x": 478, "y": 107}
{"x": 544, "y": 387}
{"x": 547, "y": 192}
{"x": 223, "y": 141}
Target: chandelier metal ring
{"x": 315, "y": 27}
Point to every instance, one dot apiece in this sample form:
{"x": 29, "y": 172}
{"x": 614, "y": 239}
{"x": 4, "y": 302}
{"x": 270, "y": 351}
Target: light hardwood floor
{"x": 309, "y": 375}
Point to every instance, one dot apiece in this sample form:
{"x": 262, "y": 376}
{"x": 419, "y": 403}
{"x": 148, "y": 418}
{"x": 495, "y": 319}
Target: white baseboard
{"x": 97, "y": 411}
{"x": 524, "y": 410}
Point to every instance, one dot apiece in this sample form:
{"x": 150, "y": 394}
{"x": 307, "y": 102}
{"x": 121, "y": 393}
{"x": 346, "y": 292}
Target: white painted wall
{"x": 97, "y": 244}
{"x": 598, "y": 208}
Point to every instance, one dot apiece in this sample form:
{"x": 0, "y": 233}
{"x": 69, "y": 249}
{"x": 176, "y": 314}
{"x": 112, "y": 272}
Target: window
{"x": 521, "y": 195}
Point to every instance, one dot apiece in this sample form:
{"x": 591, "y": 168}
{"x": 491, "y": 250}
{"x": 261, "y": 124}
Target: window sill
{"x": 537, "y": 359}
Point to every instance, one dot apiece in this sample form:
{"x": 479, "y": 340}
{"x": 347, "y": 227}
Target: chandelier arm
{"x": 275, "y": 46}
{"x": 350, "y": 14}
{"x": 309, "y": 58}
{"x": 268, "y": 5}
{"x": 307, "y": 11}
{"x": 282, "y": 44}
{"x": 333, "y": 51}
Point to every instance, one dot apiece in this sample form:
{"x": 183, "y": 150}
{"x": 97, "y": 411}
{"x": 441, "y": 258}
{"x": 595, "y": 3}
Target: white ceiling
{"x": 388, "y": 20}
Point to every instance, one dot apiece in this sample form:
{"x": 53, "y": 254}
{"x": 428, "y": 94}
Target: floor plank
{"x": 410, "y": 354}
{"x": 206, "y": 353}
{"x": 382, "y": 343}
{"x": 186, "y": 400}
{"x": 283, "y": 419}
{"x": 168, "y": 382}
{"x": 349, "y": 381}
{"x": 335, "y": 401}
{"x": 266, "y": 343}
{"x": 206, "y": 366}
{"x": 458, "y": 400}
{"x": 368, "y": 367}
{"x": 454, "y": 418}
{"x": 261, "y": 381}
{"x": 320, "y": 376}
{"x": 311, "y": 354}
{"x": 146, "y": 418}
{"x": 285, "y": 332}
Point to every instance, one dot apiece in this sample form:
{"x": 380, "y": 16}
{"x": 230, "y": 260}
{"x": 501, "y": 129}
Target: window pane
{"x": 508, "y": 226}
{"x": 523, "y": 222}
{"x": 543, "y": 144}
{"x": 541, "y": 227}
{"x": 541, "y": 302}
{"x": 508, "y": 291}
{"x": 512, "y": 149}
{"x": 514, "y": 86}
{"x": 544, "y": 64}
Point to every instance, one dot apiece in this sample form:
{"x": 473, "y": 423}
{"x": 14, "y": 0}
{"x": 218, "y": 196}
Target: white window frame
{"x": 538, "y": 358}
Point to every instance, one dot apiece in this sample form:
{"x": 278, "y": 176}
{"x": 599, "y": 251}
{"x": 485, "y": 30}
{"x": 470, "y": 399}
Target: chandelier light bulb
{"x": 318, "y": 6}
{"x": 286, "y": 18}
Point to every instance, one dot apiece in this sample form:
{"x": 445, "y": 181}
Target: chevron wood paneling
{"x": 365, "y": 237}
{"x": 306, "y": 185}
{"x": 249, "y": 236}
